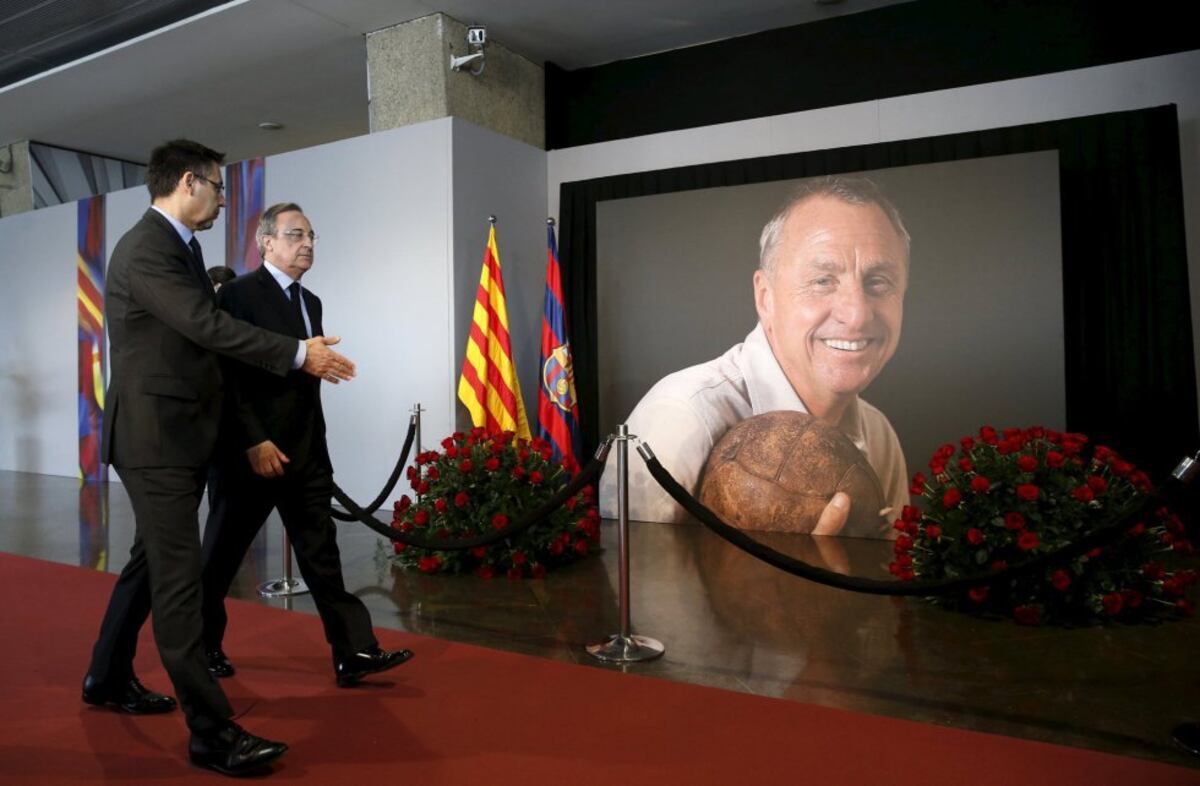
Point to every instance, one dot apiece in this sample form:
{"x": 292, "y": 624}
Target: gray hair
{"x": 851, "y": 189}
{"x": 268, "y": 224}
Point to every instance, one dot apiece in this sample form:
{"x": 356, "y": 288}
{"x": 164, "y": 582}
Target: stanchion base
{"x": 280, "y": 588}
{"x": 626, "y": 649}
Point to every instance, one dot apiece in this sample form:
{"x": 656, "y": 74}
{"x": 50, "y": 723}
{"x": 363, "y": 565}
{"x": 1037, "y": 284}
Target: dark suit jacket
{"x": 165, "y": 393}
{"x": 260, "y": 406}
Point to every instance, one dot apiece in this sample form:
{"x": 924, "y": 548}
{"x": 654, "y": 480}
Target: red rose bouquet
{"x": 481, "y": 483}
{"x": 1004, "y": 497}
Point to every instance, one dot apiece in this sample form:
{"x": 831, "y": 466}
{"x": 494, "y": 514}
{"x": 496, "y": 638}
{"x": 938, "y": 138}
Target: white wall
{"x": 39, "y": 430}
{"x": 1123, "y": 86}
{"x": 381, "y": 204}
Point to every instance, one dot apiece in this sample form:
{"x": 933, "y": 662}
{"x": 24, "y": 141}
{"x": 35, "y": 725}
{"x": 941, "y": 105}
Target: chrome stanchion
{"x": 624, "y": 647}
{"x": 286, "y": 586}
{"x": 416, "y": 411}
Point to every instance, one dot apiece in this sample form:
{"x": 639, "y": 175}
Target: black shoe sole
{"x": 262, "y": 768}
{"x": 118, "y": 707}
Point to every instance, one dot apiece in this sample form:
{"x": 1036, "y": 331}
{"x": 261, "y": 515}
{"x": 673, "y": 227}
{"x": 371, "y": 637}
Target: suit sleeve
{"x": 251, "y": 430}
{"x": 161, "y": 284}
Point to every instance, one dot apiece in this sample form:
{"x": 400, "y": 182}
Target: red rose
{"x": 903, "y": 545}
{"x": 1096, "y": 552}
{"x": 485, "y": 572}
{"x": 523, "y": 454}
{"x": 430, "y": 564}
{"x": 1112, "y": 604}
{"x": 499, "y": 521}
{"x": 1008, "y": 446}
{"x": 518, "y": 472}
{"x": 977, "y": 594}
{"x": 1060, "y": 580}
{"x": 466, "y": 465}
{"x": 461, "y": 499}
{"x": 538, "y": 571}
{"x": 918, "y": 484}
{"x": 974, "y": 536}
{"x": 1185, "y": 607}
{"x": 1054, "y": 459}
{"x": 1121, "y": 468}
{"x": 402, "y": 503}
{"x": 933, "y": 532}
{"x": 423, "y": 487}
{"x": 965, "y": 465}
{"x": 421, "y": 518}
{"x": 535, "y": 477}
{"x": 980, "y": 484}
{"x": 967, "y": 443}
{"x": 1132, "y": 598}
{"x": 448, "y": 443}
{"x": 514, "y": 573}
{"x": 937, "y": 466}
{"x": 546, "y": 454}
{"x": 1183, "y": 546}
{"x": 1137, "y": 529}
{"x": 518, "y": 558}
{"x": 951, "y": 498}
{"x": 1083, "y": 494}
{"x": 988, "y": 435}
{"x": 432, "y": 473}
{"x": 910, "y": 513}
{"x": 571, "y": 503}
{"x": 1028, "y": 492}
{"x": 399, "y": 547}
{"x": 406, "y": 526}
{"x": 1027, "y": 615}
{"x": 1027, "y": 541}
{"x": 999, "y": 565}
{"x": 1027, "y": 463}
{"x": 1173, "y": 586}
{"x": 479, "y": 552}
{"x": 581, "y": 547}
{"x": 557, "y": 547}
{"x": 451, "y": 453}
{"x": 1014, "y": 521}
{"x": 439, "y": 505}
{"x": 492, "y": 464}
{"x": 1097, "y": 484}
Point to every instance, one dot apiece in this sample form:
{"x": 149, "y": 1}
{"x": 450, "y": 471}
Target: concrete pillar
{"x": 410, "y": 81}
{"x": 16, "y": 182}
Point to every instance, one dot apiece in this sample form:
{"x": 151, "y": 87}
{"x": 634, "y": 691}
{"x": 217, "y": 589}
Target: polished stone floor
{"x": 727, "y": 621}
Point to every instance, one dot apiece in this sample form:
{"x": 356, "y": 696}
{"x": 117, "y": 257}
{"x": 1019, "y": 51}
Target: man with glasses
{"x": 160, "y": 429}
{"x": 272, "y": 455}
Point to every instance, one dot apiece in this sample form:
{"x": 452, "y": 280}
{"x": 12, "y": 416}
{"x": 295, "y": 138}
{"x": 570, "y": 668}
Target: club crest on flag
{"x": 558, "y": 378}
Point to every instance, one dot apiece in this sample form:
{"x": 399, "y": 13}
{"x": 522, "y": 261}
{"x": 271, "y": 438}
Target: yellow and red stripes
{"x": 488, "y": 386}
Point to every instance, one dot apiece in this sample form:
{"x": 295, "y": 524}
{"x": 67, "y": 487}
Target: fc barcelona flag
{"x": 558, "y": 411}
{"x": 488, "y": 385}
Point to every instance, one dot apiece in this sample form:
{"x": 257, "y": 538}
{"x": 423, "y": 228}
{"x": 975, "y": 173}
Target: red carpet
{"x": 460, "y": 714}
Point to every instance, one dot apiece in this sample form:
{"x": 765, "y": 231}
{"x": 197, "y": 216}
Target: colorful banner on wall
{"x": 243, "y": 206}
{"x": 558, "y": 409}
{"x": 90, "y": 306}
{"x": 93, "y": 526}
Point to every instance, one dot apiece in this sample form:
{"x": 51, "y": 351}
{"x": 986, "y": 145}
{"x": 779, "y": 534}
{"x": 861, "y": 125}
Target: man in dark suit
{"x": 272, "y": 454}
{"x": 160, "y": 428}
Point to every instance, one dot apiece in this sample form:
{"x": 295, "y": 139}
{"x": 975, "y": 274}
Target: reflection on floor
{"x": 727, "y": 621}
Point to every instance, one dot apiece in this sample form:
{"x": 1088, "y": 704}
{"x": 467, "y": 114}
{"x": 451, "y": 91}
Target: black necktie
{"x": 198, "y": 265}
{"x": 297, "y": 312}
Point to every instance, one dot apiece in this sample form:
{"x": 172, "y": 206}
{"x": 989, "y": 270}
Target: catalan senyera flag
{"x": 558, "y": 409}
{"x": 488, "y": 385}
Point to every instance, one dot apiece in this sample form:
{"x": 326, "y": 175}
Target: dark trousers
{"x": 163, "y": 574}
{"x": 239, "y": 503}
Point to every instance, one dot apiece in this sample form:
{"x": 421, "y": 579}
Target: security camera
{"x": 476, "y": 35}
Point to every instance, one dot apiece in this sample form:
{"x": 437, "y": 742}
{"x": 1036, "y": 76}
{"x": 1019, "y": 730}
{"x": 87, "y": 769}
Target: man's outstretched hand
{"x": 323, "y": 362}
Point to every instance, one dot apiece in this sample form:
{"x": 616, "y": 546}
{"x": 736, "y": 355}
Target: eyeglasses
{"x": 220, "y": 187}
{"x": 296, "y": 235}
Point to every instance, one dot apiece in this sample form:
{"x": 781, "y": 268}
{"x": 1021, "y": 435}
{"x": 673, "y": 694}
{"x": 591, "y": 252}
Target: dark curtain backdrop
{"x": 1130, "y": 376}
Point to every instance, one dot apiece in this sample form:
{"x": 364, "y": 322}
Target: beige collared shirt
{"x": 687, "y": 412}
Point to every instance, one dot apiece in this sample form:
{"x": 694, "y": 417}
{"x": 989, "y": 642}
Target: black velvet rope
{"x": 391, "y": 481}
{"x": 588, "y": 474}
{"x": 1113, "y": 529}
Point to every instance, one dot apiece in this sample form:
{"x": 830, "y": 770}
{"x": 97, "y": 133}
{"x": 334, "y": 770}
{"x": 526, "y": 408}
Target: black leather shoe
{"x": 234, "y": 751}
{"x": 219, "y": 664}
{"x": 372, "y": 660}
{"x": 129, "y": 696}
{"x": 1187, "y": 736}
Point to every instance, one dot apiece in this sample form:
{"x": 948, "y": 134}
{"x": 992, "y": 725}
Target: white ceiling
{"x": 302, "y": 63}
